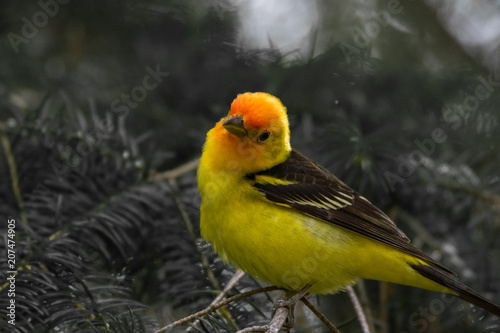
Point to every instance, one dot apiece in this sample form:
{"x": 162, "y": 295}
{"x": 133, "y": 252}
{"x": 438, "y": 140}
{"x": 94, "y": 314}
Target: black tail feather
{"x": 463, "y": 292}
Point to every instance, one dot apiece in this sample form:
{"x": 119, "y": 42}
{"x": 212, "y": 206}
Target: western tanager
{"x": 270, "y": 211}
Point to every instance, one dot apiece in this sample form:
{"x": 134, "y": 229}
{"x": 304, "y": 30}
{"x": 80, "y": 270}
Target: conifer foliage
{"x": 98, "y": 241}
{"x": 105, "y": 242}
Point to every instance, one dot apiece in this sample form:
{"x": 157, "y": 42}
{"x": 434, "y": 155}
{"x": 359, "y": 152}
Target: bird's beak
{"x": 236, "y": 126}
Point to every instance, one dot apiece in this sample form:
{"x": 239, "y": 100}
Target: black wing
{"x": 303, "y": 185}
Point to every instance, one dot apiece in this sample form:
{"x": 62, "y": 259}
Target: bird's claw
{"x": 289, "y": 303}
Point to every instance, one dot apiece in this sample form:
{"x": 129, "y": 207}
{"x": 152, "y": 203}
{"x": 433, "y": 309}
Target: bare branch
{"x": 214, "y": 307}
{"x": 179, "y": 171}
{"x": 365, "y": 304}
{"x": 230, "y": 285}
{"x": 254, "y": 329}
{"x": 320, "y": 315}
{"x": 359, "y": 310}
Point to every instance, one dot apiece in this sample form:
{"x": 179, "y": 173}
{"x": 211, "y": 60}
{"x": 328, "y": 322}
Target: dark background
{"x": 400, "y": 109}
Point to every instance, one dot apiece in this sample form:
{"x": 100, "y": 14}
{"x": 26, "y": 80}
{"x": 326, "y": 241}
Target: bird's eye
{"x": 264, "y": 136}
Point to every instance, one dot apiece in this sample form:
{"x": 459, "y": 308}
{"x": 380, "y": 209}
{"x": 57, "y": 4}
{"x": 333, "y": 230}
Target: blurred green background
{"x": 399, "y": 99}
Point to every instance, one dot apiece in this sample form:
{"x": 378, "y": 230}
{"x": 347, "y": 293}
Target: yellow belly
{"x": 287, "y": 252}
{"x": 290, "y": 250}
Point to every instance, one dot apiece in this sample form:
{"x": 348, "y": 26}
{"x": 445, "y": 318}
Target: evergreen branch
{"x": 13, "y": 171}
{"x": 320, "y": 315}
{"x": 212, "y": 308}
{"x": 359, "y": 310}
{"x": 84, "y": 216}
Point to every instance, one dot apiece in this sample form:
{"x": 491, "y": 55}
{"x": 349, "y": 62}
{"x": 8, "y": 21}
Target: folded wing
{"x": 301, "y": 184}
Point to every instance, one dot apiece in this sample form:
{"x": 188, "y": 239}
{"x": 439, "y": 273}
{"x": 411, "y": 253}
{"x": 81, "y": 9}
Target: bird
{"x": 275, "y": 214}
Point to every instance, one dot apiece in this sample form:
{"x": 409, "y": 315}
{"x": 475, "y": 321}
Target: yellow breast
{"x": 273, "y": 243}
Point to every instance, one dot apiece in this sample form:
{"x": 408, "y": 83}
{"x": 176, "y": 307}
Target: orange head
{"x": 254, "y": 136}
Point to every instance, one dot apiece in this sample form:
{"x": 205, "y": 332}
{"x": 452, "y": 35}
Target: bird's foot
{"x": 290, "y": 306}
{"x": 289, "y": 301}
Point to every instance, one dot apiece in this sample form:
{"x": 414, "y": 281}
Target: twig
{"x": 13, "y": 172}
{"x": 365, "y": 304}
{"x": 320, "y": 315}
{"x": 174, "y": 173}
{"x": 254, "y": 329}
{"x": 214, "y": 307}
{"x": 230, "y": 285}
{"x": 359, "y": 310}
